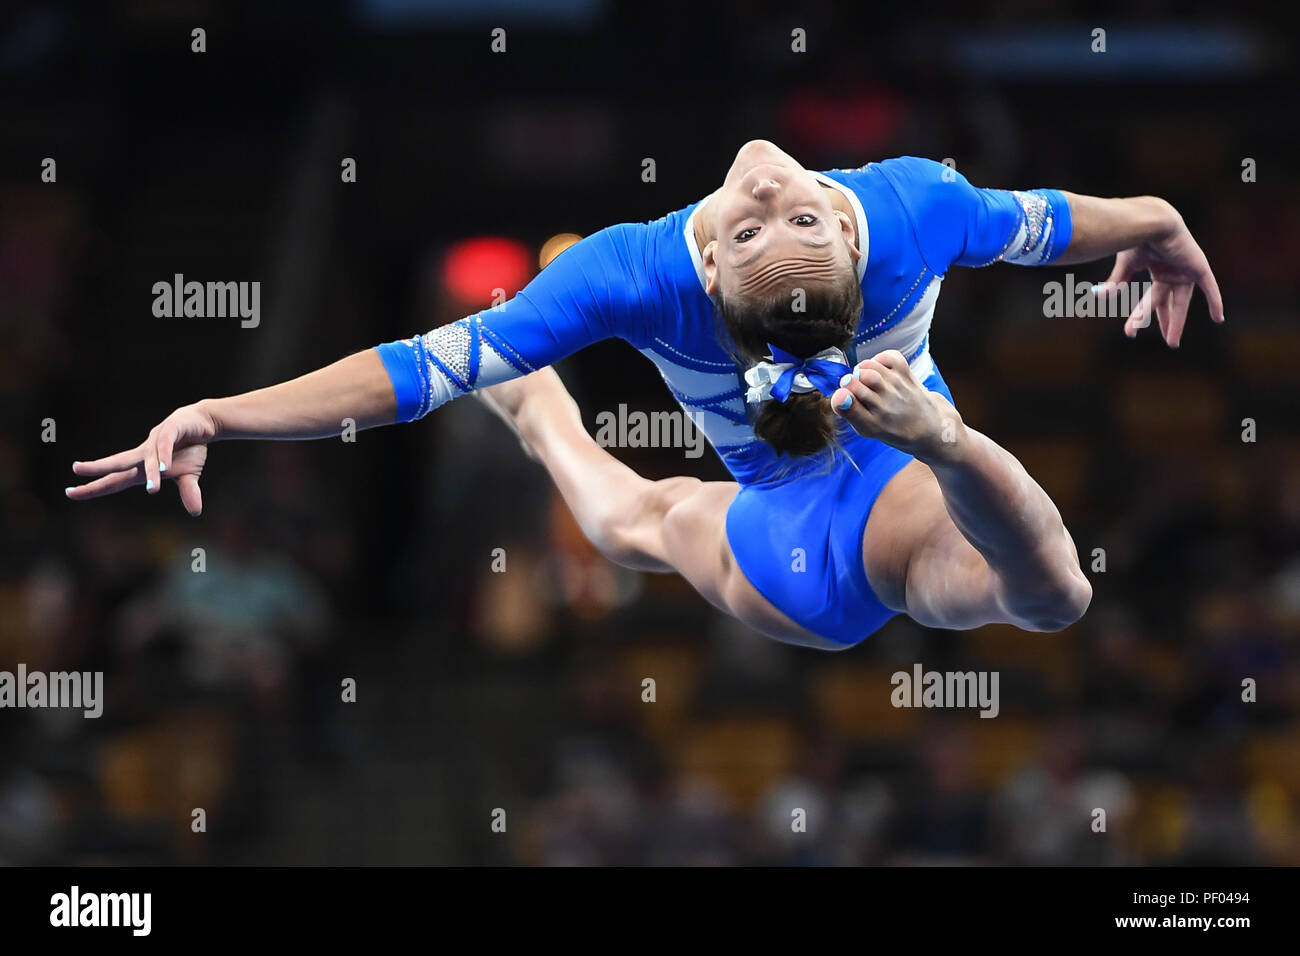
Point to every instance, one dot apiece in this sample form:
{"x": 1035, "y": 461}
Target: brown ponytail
{"x": 804, "y": 423}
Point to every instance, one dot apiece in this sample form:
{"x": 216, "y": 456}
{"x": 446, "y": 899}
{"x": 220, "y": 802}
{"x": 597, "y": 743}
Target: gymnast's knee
{"x": 1055, "y": 606}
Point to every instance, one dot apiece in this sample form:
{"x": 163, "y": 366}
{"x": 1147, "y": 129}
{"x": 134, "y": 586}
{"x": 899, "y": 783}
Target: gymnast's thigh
{"x": 695, "y": 537}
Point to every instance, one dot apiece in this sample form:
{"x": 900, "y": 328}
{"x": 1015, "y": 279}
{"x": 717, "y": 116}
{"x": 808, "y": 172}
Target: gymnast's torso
{"x": 644, "y": 283}
{"x": 796, "y": 525}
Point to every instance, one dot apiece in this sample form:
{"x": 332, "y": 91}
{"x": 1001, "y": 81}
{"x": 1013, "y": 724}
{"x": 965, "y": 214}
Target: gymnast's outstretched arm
{"x": 601, "y": 287}
{"x": 310, "y": 406}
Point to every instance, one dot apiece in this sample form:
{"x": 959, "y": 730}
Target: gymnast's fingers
{"x": 1179, "y": 298}
{"x": 191, "y": 496}
{"x": 110, "y": 464}
{"x": 1162, "y": 298}
{"x": 107, "y": 485}
{"x": 152, "y": 473}
{"x": 1126, "y": 266}
{"x": 166, "y": 441}
{"x": 1140, "y": 317}
{"x": 1210, "y": 286}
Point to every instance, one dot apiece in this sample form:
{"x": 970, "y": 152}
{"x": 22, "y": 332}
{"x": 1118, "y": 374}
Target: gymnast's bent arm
{"x": 603, "y": 286}
{"x": 956, "y": 223}
{"x": 1144, "y": 233}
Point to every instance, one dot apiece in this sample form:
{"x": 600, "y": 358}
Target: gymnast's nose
{"x": 766, "y": 187}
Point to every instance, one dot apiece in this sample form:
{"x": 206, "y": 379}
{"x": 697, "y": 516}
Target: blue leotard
{"x": 796, "y": 525}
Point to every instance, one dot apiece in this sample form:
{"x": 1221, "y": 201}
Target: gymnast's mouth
{"x": 759, "y": 152}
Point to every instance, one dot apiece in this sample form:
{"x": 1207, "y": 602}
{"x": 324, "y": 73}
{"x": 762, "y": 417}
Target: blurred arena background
{"x": 522, "y": 690}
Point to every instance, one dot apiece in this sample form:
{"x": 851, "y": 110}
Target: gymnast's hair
{"x": 804, "y": 423}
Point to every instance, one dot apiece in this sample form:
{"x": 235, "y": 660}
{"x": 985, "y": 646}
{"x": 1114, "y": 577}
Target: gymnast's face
{"x": 775, "y": 227}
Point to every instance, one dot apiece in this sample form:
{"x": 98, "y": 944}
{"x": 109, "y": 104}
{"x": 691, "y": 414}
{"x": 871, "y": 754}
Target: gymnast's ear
{"x": 846, "y": 229}
{"x": 710, "y": 267}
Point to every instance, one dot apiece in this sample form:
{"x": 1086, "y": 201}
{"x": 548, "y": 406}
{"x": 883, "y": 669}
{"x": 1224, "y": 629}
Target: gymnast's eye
{"x": 746, "y": 234}
{"x": 804, "y": 220}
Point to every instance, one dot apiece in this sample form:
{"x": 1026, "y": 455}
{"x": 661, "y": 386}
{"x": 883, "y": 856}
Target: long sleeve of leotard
{"x": 956, "y": 223}
{"x": 601, "y": 287}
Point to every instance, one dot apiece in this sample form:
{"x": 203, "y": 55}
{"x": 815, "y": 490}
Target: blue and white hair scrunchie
{"x": 783, "y": 373}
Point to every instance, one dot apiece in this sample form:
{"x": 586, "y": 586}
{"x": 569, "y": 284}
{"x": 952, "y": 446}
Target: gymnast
{"x": 788, "y": 312}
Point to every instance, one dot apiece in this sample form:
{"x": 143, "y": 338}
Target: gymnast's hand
{"x": 176, "y": 448}
{"x": 889, "y": 404}
{"x": 1177, "y": 266}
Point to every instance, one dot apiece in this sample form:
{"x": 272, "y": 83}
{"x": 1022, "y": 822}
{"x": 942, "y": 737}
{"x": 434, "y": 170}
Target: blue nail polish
{"x": 844, "y": 382}
{"x": 848, "y": 401}
{"x": 148, "y": 485}
{"x": 162, "y": 466}
{"x": 68, "y": 490}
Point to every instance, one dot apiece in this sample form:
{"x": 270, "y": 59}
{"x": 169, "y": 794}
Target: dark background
{"x": 522, "y": 691}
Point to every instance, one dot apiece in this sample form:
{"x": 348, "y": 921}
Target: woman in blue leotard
{"x": 857, "y": 496}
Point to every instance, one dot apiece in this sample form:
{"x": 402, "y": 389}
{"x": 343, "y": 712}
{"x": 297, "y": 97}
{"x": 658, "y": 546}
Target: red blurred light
{"x": 474, "y": 269}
